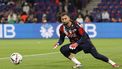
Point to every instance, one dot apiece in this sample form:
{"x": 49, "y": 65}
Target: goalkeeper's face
{"x": 65, "y": 19}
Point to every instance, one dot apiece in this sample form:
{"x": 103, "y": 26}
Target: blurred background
{"x": 95, "y": 15}
{"x": 31, "y": 28}
{"x": 37, "y": 11}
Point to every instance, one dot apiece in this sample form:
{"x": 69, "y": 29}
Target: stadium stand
{"x": 50, "y": 9}
{"x": 114, "y": 8}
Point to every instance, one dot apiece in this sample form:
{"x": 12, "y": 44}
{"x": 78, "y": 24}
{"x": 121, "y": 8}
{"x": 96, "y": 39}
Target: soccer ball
{"x": 16, "y": 58}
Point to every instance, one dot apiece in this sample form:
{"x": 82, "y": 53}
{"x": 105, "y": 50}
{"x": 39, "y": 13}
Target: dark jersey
{"x": 75, "y": 33}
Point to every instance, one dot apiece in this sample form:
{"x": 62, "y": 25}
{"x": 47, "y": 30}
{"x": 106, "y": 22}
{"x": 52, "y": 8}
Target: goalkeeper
{"x": 79, "y": 40}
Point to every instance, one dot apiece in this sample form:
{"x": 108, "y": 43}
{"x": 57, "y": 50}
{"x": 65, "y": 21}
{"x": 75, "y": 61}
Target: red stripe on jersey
{"x": 81, "y": 31}
{"x": 62, "y": 28}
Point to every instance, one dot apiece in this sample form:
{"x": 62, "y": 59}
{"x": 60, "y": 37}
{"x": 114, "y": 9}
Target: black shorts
{"x": 86, "y": 46}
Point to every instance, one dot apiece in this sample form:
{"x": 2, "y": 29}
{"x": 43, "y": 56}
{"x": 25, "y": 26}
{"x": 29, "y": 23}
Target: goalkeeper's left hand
{"x": 73, "y": 46}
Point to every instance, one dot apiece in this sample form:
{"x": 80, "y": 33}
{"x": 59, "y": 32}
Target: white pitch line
{"x": 33, "y": 55}
{"x": 4, "y": 58}
{"x": 40, "y": 54}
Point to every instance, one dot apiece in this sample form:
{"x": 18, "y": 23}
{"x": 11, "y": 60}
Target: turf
{"x": 109, "y": 47}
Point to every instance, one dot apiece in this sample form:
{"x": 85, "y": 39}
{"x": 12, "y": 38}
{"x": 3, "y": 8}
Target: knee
{"x": 65, "y": 51}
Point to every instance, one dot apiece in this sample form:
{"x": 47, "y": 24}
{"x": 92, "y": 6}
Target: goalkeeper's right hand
{"x": 56, "y": 45}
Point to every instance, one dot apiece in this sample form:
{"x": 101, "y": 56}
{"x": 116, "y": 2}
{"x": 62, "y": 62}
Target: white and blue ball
{"x": 16, "y": 58}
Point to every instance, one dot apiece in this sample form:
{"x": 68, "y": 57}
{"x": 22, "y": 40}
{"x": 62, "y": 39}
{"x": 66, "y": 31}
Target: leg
{"x": 89, "y": 48}
{"x": 70, "y": 55}
{"x": 95, "y": 54}
{"x": 65, "y": 50}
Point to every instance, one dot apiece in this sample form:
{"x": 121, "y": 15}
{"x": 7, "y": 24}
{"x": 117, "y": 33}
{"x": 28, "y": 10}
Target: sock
{"x": 111, "y": 62}
{"x": 75, "y": 60}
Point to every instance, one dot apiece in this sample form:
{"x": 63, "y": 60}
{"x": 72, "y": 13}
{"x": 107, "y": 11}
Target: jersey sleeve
{"x": 62, "y": 36}
{"x": 80, "y": 31}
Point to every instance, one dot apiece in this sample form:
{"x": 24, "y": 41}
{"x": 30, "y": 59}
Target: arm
{"x": 61, "y": 40}
{"x": 81, "y": 32}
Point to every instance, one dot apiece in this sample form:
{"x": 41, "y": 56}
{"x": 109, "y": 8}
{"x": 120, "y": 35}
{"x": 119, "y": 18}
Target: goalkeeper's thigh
{"x": 65, "y": 50}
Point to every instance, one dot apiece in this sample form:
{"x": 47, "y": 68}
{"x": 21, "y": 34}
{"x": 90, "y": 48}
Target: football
{"x": 16, "y": 58}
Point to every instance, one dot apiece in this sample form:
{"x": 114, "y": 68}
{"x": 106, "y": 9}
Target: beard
{"x": 65, "y": 23}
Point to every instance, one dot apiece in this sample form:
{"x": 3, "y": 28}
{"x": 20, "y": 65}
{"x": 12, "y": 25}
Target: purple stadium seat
{"x": 114, "y": 7}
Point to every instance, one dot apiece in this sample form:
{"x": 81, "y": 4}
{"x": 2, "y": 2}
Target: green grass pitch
{"x": 39, "y": 54}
